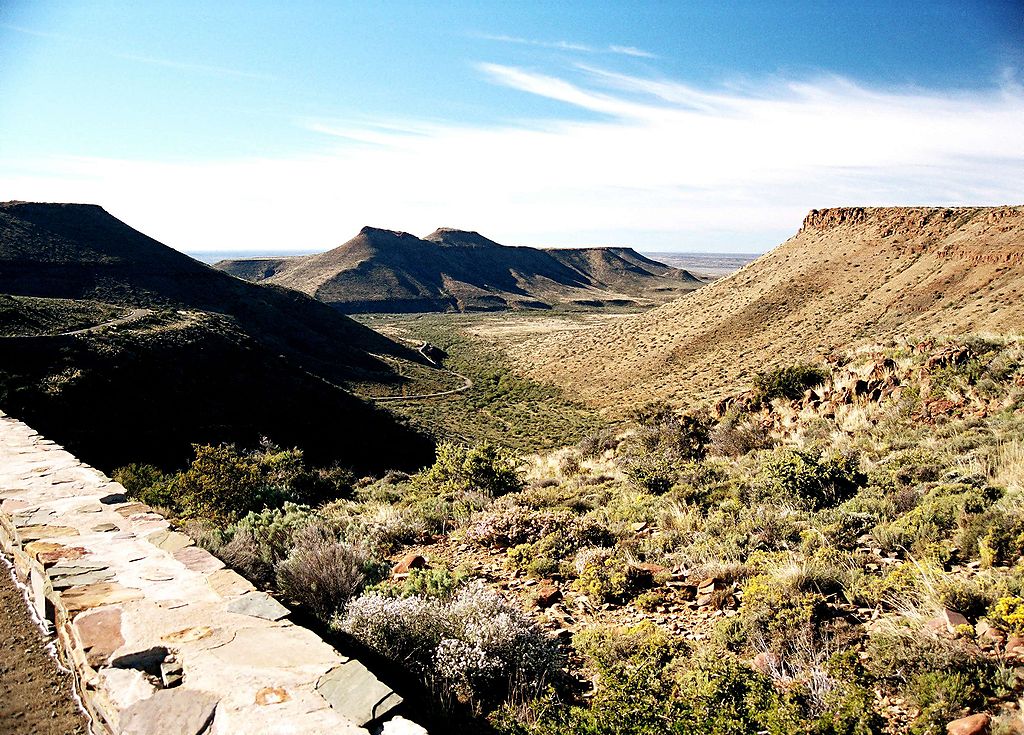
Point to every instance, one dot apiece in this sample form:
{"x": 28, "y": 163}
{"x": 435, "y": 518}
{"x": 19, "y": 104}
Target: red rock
{"x": 100, "y": 634}
{"x": 408, "y": 563}
{"x": 547, "y": 595}
{"x": 973, "y": 725}
{"x": 709, "y": 585}
{"x": 1015, "y": 645}
{"x": 947, "y": 620}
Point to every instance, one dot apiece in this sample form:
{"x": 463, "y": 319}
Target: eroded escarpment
{"x": 159, "y": 635}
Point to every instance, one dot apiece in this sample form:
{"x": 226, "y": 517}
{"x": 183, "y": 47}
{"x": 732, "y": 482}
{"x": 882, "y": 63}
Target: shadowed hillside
{"x": 453, "y": 270}
{"x": 848, "y": 274}
{"x": 198, "y": 355}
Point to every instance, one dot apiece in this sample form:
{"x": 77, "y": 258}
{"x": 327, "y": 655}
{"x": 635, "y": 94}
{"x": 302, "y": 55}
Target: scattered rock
{"x": 401, "y": 726}
{"x": 547, "y": 595}
{"x": 408, "y": 563}
{"x": 978, "y": 724}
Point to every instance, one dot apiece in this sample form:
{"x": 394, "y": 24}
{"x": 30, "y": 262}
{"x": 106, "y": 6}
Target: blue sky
{"x": 661, "y": 125}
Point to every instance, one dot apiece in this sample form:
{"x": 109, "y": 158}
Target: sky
{"x": 665, "y": 126}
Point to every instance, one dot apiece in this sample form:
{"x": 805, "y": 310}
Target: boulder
{"x": 409, "y": 562}
{"x": 978, "y": 724}
{"x": 547, "y": 595}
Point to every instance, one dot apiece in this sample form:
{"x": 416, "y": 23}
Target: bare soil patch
{"x": 35, "y": 695}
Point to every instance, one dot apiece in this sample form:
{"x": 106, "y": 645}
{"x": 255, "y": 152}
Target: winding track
{"x": 422, "y": 350}
{"x": 134, "y": 316}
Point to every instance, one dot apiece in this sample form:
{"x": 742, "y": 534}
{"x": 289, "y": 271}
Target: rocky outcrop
{"x": 160, "y": 636}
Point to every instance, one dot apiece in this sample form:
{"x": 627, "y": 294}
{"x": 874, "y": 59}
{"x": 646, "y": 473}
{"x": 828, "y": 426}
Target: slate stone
{"x": 177, "y": 711}
{"x": 198, "y": 560}
{"x": 99, "y": 632}
{"x": 356, "y": 693}
{"x": 37, "y": 533}
{"x": 114, "y": 499}
{"x": 258, "y": 605}
{"x": 228, "y": 583}
{"x": 89, "y": 596}
{"x": 67, "y": 570}
{"x": 104, "y": 527}
{"x": 170, "y": 541}
{"x": 78, "y": 580}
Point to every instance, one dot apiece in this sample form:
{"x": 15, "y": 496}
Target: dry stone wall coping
{"x": 161, "y": 637}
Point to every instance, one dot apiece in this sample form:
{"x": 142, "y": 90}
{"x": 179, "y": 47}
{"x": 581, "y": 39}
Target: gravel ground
{"x": 35, "y": 695}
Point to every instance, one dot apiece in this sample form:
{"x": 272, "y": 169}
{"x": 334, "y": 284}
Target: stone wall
{"x": 161, "y": 637}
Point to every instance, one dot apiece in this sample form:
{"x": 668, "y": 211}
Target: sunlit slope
{"x": 848, "y": 274}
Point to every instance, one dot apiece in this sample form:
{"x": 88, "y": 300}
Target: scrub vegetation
{"x": 836, "y": 550}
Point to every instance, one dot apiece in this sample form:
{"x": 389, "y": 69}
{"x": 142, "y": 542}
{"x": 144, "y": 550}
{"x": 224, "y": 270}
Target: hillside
{"x": 454, "y": 270}
{"x": 197, "y": 355}
{"x": 849, "y": 274}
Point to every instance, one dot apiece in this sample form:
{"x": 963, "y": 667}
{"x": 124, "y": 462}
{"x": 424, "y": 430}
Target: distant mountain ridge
{"x": 459, "y": 270}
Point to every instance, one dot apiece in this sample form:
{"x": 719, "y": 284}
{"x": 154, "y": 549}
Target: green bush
{"x": 812, "y": 482}
{"x": 483, "y": 468}
{"x": 788, "y": 382}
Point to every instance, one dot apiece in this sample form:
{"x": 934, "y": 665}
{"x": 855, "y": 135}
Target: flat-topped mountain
{"x": 848, "y": 274}
{"x": 191, "y": 354}
{"x": 455, "y": 270}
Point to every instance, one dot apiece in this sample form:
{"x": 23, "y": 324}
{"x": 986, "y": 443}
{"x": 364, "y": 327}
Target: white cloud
{"x": 569, "y": 46}
{"x": 661, "y": 165}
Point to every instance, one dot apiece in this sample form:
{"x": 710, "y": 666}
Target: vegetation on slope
{"x": 845, "y": 560}
{"x": 501, "y": 406}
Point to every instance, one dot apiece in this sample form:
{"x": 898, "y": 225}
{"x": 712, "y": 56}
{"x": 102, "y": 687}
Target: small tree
{"x": 220, "y": 485}
{"x": 482, "y": 468}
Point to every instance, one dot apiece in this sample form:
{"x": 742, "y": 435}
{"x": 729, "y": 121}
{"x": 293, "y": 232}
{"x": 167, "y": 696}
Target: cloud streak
{"x": 569, "y": 46}
{"x": 655, "y": 163}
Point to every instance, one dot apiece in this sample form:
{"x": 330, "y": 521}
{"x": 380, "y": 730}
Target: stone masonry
{"x": 162, "y": 639}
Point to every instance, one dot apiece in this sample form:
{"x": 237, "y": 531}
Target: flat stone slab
{"x": 78, "y": 580}
{"x": 89, "y": 596}
{"x": 169, "y": 540}
{"x": 198, "y": 559}
{"x": 356, "y": 693}
{"x": 258, "y": 605}
{"x": 228, "y": 583}
{"x": 177, "y": 711}
{"x": 99, "y": 632}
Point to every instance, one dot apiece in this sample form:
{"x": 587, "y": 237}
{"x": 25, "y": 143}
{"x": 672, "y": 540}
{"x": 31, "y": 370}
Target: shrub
{"x": 1008, "y": 612}
{"x": 258, "y": 542}
{"x": 788, "y": 382}
{"x": 147, "y": 484}
{"x": 738, "y": 434}
{"x": 483, "y": 468}
{"x": 324, "y": 573}
{"x": 681, "y": 437}
{"x": 813, "y": 482}
{"x": 602, "y": 576}
{"x": 596, "y": 443}
{"x": 477, "y": 647}
{"x": 221, "y": 484}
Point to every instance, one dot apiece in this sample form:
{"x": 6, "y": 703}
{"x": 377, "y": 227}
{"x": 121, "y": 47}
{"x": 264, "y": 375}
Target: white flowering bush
{"x": 476, "y": 648}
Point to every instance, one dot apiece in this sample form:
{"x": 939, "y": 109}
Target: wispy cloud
{"x": 660, "y": 164}
{"x": 569, "y": 46}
